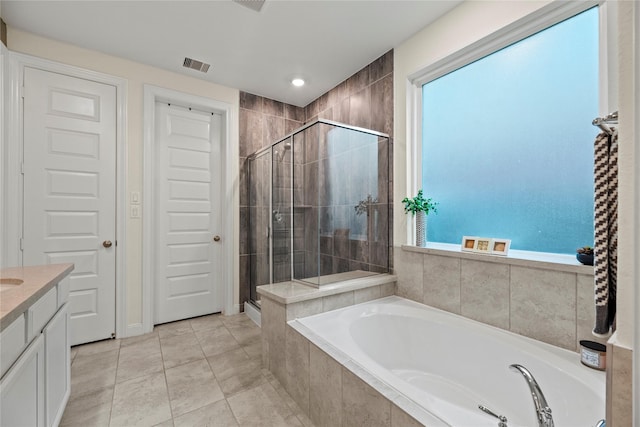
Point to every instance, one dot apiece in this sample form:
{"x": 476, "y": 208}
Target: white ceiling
{"x": 323, "y": 42}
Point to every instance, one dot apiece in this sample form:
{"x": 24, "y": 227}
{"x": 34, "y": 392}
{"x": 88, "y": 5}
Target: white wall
{"x": 629, "y": 179}
{"x": 466, "y": 24}
{"x": 136, "y": 75}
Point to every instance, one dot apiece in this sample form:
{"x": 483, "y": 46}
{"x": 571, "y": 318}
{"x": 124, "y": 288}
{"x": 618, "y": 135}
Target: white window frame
{"x": 545, "y": 17}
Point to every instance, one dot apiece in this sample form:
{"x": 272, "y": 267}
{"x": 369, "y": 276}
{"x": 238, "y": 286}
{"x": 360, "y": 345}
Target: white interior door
{"x": 69, "y": 192}
{"x": 187, "y": 263}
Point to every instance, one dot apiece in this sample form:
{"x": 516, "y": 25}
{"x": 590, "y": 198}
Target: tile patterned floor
{"x": 205, "y": 371}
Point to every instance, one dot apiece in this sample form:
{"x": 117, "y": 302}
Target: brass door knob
{"x": 107, "y": 243}
{"x": 216, "y": 238}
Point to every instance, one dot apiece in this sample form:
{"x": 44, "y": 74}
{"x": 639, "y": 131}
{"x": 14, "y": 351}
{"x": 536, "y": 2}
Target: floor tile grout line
{"x": 235, "y": 417}
{"x": 115, "y": 380}
{"x": 242, "y": 330}
{"x": 166, "y": 384}
{"x": 212, "y": 373}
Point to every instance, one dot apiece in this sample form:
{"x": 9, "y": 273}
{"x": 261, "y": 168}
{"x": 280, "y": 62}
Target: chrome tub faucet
{"x": 543, "y": 411}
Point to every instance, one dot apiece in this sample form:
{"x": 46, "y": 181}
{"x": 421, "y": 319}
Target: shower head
{"x": 281, "y": 154}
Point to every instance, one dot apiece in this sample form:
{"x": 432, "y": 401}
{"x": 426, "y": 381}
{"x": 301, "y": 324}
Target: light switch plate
{"x": 135, "y": 197}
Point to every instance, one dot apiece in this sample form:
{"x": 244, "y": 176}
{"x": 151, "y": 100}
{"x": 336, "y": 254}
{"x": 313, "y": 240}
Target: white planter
{"x": 421, "y": 229}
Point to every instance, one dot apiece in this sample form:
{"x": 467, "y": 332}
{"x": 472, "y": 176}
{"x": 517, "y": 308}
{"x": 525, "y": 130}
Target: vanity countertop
{"x": 37, "y": 280}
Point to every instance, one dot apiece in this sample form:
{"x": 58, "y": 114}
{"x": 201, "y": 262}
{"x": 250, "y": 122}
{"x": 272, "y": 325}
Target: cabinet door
{"x": 12, "y": 342}
{"x": 57, "y": 366}
{"x": 22, "y": 389}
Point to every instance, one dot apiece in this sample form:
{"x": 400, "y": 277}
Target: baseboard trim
{"x": 253, "y": 313}
{"x": 133, "y": 330}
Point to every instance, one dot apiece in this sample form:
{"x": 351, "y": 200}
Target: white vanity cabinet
{"x": 22, "y": 389}
{"x": 35, "y": 390}
{"x": 36, "y": 365}
{"x": 57, "y": 366}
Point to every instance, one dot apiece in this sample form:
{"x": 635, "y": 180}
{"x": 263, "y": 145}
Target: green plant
{"x": 419, "y": 204}
{"x": 587, "y": 250}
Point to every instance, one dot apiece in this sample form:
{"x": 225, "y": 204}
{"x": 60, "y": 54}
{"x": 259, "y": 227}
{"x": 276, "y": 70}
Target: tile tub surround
{"x": 619, "y": 385}
{"x": 384, "y": 337}
{"x": 284, "y": 351}
{"x": 37, "y": 280}
{"x": 335, "y": 392}
{"x": 548, "y": 301}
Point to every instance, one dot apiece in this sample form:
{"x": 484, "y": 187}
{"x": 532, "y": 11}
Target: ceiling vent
{"x": 251, "y": 4}
{"x": 195, "y": 65}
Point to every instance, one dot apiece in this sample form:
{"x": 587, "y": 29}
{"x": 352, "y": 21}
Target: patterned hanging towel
{"x": 606, "y": 231}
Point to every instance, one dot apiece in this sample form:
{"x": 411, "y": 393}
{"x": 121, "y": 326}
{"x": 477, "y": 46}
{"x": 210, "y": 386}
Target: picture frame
{"x": 500, "y": 246}
{"x": 484, "y": 245}
{"x": 469, "y": 243}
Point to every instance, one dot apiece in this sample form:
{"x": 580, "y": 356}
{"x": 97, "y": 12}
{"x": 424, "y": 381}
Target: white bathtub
{"x": 448, "y": 365}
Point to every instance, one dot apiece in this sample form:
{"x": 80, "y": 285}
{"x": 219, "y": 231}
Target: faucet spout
{"x": 543, "y": 411}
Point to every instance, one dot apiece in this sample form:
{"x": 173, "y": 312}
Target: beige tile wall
{"x": 339, "y": 394}
{"x": 362, "y": 405}
{"x": 536, "y": 301}
{"x": 329, "y": 393}
{"x": 325, "y": 389}
{"x": 619, "y": 386}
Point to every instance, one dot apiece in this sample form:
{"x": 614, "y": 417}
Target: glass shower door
{"x": 281, "y": 219}
{"x": 259, "y": 222}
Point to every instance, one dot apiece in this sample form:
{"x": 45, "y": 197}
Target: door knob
{"x": 216, "y": 238}
{"x": 107, "y": 243}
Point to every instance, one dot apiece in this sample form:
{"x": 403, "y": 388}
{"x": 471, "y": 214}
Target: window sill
{"x": 541, "y": 260}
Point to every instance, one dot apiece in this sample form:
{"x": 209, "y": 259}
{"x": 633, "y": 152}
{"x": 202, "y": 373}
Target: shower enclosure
{"x": 319, "y": 206}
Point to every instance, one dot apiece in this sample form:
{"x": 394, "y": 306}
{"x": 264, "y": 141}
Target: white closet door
{"x": 187, "y": 201}
{"x": 70, "y": 192}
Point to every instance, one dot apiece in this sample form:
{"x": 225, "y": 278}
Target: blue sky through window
{"x": 508, "y": 142}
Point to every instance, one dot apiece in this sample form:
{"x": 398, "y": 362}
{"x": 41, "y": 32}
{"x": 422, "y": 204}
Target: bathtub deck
{"x": 410, "y": 357}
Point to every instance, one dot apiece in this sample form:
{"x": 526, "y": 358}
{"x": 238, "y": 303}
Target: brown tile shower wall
{"x": 262, "y": 122}
{"x": 346, "y": 199}
{"x": 364, "y": 99}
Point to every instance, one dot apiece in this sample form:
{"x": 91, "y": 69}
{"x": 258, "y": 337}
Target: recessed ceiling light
{"x": 297, "y": 82}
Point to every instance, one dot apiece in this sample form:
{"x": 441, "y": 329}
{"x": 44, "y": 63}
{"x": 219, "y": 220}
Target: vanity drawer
{"x": 13, "y": 339}
{"x": 41, "y": 312}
